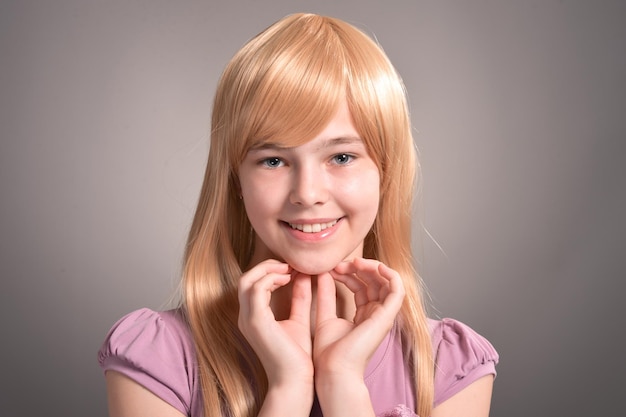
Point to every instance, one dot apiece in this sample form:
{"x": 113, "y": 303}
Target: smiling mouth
{"x": 313, "y": 227}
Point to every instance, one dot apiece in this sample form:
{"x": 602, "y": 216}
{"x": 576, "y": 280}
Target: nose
{"x": 310, "y": 186}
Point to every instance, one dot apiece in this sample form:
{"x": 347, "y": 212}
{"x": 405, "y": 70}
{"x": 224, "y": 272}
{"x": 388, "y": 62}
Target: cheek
{"x": 253, "y": 187}
{"x": 256, "y": 202}
{"x": 261, "y": 199}
{"x": 363, "y": 191}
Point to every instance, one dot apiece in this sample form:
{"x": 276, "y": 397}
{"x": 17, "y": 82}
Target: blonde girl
{"x": 300, "y": 295}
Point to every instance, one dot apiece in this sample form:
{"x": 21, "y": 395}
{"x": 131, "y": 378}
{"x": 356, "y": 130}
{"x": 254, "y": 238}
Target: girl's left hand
{"x": 342, "y": 348}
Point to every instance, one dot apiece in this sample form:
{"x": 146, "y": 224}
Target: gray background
{"x": 519, "y": 109}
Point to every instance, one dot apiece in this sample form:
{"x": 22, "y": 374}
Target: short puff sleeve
{"x": 154, "y": 349}
{"x": 462, "y": 356}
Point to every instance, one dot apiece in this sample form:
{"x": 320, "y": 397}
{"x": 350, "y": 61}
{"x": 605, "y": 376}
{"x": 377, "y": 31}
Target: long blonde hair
{"x": 284, "y": 85}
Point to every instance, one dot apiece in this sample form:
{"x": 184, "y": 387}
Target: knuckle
{"x": 257, "y": 286}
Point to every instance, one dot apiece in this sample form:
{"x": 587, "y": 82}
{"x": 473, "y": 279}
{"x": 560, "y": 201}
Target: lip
{"x": 305, "y": 229}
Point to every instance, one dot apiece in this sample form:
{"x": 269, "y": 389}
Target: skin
{"x": 311, "y": 307}
{"x": 326, "y": 180}
{"x": 330, "y": 178}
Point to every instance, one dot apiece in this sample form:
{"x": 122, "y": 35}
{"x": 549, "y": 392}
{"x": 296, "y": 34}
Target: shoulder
{"x": 156, "y": 350}
{"x": 162, "y": 333}
{"x": 461, "y": 357}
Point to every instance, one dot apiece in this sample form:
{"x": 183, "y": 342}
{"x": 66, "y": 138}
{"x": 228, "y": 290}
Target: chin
{"x": 313, "y": 268}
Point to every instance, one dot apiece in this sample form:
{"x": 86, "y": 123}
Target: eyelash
{"x": 266, "y": 162}
{"x": 348, "y": 156}
{"x": 274, "y": 162}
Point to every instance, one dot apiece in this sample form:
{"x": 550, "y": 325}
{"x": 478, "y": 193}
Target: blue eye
{"x": 272, "y": 162}
{"x": 342, "y": 158}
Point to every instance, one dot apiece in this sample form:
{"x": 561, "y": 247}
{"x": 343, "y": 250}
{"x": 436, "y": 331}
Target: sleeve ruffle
{"x": 399, "y": 411}
{"x": 153, "y": 349}
{"x": 462, "y": 356}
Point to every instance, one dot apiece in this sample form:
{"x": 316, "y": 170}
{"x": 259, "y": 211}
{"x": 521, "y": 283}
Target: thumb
{"x": 326, "y": 297}
{"x": 301, "y": 295}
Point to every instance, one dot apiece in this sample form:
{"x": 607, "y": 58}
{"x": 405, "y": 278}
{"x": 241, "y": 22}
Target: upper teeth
{"x": 312, "y": 228}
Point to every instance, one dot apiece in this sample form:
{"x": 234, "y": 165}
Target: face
{"x": 311, "y": 206}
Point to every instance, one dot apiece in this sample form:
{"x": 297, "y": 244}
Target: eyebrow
{"x": 341, "y": 140}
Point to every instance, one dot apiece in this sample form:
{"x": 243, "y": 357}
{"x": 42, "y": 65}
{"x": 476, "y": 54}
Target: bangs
{"x": 298, "y": 90}
{"x": 286, "y": 85}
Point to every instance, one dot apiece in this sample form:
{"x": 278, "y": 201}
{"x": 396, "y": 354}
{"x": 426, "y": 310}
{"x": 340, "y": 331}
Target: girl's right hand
{"x": 283, "y": 347}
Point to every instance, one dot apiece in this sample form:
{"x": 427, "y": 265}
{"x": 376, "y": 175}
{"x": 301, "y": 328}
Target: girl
{"x": 299, "y": 292}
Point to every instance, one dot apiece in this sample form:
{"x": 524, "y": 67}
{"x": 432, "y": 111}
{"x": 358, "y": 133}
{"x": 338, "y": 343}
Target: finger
{"x": 268, "y": 284}
{"x": 396, "y": 290}
{"x": 354, "y": 284}
{"x": 260, "y": 270}
{"x": 256, "y": 285}
{"x": 326, "y": 298}
{"x": 365, "y": 270}
{"x": 256, "y": 301}
{"x": 372, "y": 274}
{"x": 356, "y": 264}
{"x": 301, "y": 296}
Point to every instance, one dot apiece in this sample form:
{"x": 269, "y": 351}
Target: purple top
{"x": 156, "y": 350}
